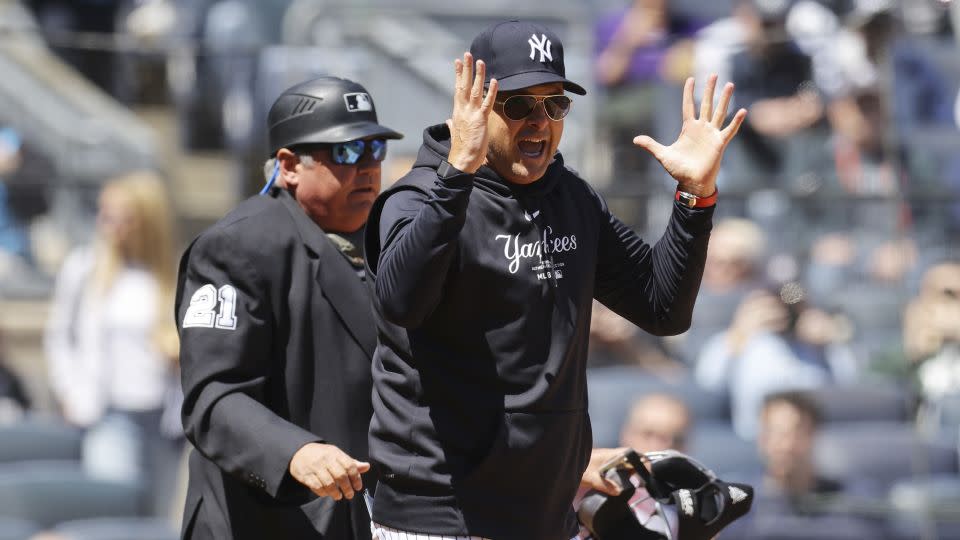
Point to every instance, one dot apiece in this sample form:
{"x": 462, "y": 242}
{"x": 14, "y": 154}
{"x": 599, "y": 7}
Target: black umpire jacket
{"x": 276, "y": 339}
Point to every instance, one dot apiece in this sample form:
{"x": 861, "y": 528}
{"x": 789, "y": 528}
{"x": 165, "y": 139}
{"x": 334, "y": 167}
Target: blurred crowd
{"x": 823, "y": 363}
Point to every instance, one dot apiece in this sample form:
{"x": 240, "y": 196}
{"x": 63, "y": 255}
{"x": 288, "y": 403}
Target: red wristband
{"x": 692, "y": 201}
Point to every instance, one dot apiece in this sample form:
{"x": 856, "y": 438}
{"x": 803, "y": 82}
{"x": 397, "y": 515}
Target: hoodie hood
{"x": 436, "y": 148}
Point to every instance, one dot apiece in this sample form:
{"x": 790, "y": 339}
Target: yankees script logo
{"x": 542, "y": 44}
{"x": 514, "y": 251}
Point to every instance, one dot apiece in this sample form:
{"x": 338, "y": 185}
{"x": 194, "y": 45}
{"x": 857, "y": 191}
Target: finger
{"x": 607, "y": 486}
{"x": 649, "y": 145}
{"x": 734, "y": 126}
{"x": 328, "y": 485}
{"x": 476, "y": 94}
{"x": 488, "y": 101}
{"x": 312, "y": 483}
{"x": 324, "y": 478}
{"x": 721, "y": 111}
{"x": 449, "y": 124}
{"x": 353, "y": 474}
{"x": 319, "y": 489}
{"x": 331, "y": 492}
{"x": 706, "y": 105}
{"x": 458, "y": 83}
{"x": 688, "y": 111}
{"x": 362, "y": 466}
{"x": 345, "y": 483}
{"x": 467, "y": 74}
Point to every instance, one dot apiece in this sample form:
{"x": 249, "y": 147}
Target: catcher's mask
{"x": 690, "y": 502}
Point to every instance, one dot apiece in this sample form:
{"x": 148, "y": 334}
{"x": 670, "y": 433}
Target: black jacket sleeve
{"x": 653, "y": 287}
{"x": 226, "y": 331}
{"x": 418, "y": 237}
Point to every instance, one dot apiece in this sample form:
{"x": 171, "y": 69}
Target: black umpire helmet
{"x": 324, "y": 110}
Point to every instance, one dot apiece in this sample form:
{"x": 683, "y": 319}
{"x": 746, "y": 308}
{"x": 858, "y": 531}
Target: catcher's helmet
{"x": 324, "y": 110}
{"x": 700, "y": 505}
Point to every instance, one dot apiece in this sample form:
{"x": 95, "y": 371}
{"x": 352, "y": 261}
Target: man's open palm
{"x": 694, "y": 158}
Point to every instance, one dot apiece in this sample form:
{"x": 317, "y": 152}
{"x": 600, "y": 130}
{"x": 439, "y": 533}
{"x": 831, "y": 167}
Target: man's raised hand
{"x": 471, "y": 109}
{"x": 693, "y": 160}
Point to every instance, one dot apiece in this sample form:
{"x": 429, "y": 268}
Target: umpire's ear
{"x": 288, "y": 177}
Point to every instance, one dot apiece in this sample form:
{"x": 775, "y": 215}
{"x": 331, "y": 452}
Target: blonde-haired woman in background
{"x": 111, "y": 341}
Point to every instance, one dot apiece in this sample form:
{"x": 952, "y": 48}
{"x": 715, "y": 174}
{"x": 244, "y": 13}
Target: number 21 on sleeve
{"x": 203, "y": 313}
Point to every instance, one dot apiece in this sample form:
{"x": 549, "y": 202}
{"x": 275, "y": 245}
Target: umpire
{"x": 277, "y": 333}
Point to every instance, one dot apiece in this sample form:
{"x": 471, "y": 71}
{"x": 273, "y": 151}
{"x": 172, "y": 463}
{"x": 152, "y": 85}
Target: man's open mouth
{"x": 532, "y": 147}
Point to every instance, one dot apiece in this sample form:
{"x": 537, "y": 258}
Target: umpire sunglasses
{"x": 350, "y": 152}
{"x": 345, "y": 153}
{"x": 519, "y": 106}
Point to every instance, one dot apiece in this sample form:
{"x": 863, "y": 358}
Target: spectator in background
{"x": 111, "y": 342}
{"x": 616, "y": 341}
{"x": 931, "y": 332}
{"x": 787, "y": 431}
{"x": 657, "y": 422}
{"x": 774, "y": 81}
{"x": 858, "y": 258}
{"x": 831, "y": 265}
{"x": 734, "y": 267}
{"x": 638, "y": 48}
{"x": 857, "y": 111}
{"x": 791, "y": 493}
{"x": 776, "y": 342}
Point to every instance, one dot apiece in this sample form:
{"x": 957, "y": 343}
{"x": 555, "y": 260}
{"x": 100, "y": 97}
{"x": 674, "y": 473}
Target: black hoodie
{"x": 482, "y": 295}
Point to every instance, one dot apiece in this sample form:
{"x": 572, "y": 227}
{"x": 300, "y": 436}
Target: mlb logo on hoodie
{"x": 358, "y": 102}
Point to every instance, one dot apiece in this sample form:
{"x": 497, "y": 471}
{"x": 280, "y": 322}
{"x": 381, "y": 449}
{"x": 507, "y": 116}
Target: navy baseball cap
{"x": 522, "y": 54}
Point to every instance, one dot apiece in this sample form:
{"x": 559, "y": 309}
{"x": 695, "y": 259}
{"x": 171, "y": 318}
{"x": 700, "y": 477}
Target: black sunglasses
{"x": 520, "y": 106}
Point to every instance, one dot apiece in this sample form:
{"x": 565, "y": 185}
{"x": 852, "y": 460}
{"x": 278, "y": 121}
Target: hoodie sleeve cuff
{"x": 693, "y": 220}
{"x": 452, "y": 177}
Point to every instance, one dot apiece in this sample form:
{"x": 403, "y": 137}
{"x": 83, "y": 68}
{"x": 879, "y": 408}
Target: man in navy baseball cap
{"x": 484, "y": 261}
{"x": 504, "y": 46}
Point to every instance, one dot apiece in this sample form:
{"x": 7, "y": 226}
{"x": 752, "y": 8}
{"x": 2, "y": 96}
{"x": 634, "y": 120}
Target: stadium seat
{"x": 865, "y": 402}
{"x": 721, "y": 449}
{"x": 612, "y": 390}
{"x": 828, "y": 527}
{"x": 931, "y": 496}
{"x": 16, "y": 529}
{"x": 39, "y": 438}
{"x": 871, "y": 305}
{"x": 911, "y": 526}
{"x": 50, "y": 492}
{"x": 884, "y": 453}
{"x": 117, "y": 529}
{"x": 942, "y": 416}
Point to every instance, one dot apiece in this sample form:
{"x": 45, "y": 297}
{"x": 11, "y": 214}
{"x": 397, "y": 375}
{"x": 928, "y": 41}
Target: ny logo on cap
{"x": 542, "y": 44}
{"x": 358, "y": 102}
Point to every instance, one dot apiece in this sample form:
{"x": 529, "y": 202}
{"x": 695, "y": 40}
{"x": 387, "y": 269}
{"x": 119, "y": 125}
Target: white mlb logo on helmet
{"x": 358, "y": 101}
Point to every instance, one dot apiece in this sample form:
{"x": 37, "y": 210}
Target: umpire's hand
{"x": 327, "y": 470}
